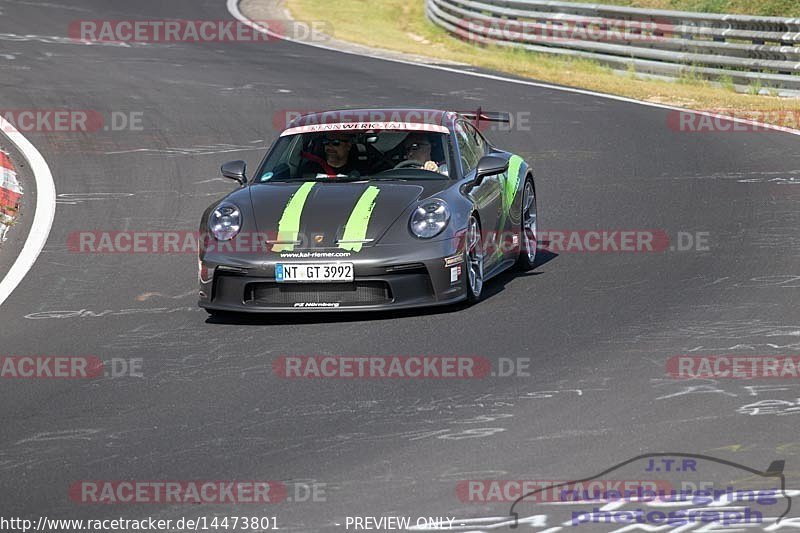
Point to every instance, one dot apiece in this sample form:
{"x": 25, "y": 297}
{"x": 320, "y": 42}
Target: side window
{"x": 480, "y": 142}
{"x": 470, "y": 151}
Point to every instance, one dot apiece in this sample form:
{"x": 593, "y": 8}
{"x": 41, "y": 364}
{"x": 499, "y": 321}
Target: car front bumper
{"x": 385, "y": 277}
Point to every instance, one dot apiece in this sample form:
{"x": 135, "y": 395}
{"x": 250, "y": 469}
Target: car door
{"x": 487, "y": 196}
{"x": 506, "y": 241}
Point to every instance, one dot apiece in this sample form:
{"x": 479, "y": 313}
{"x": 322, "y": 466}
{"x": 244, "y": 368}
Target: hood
{"x": 329, "y": 216}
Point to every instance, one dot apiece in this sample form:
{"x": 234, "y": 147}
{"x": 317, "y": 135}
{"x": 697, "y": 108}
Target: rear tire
{"x": 528, "y": 227}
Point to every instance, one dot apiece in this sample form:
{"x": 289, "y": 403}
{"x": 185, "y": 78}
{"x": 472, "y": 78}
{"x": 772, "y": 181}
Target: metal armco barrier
{"x": 749, "y": 50}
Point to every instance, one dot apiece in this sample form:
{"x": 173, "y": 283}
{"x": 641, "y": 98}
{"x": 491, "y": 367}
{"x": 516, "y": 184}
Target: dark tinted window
{"x": 468, "y": 146}
{"x": 478, "y": 139}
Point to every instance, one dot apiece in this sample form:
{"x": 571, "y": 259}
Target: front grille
{"x": 356, "y": 293}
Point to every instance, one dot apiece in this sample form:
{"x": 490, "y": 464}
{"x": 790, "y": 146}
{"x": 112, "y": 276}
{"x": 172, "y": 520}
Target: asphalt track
{"x": 598, "y": 327}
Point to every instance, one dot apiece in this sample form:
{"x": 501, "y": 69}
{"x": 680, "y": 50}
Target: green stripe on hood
{"x": 289, "y": 225}
{"x": 356, "y": 228}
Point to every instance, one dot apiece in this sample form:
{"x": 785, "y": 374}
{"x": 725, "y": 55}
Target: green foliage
{"x": 772, "y": 8}
{"x": 754, "y": 87}
{"x": 727, "y": 83}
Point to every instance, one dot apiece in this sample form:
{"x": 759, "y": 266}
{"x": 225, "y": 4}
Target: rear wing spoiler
{"x": 487, "y": 116}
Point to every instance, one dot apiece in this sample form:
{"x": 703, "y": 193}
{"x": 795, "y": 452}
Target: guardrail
{"x": 749, "y": 50}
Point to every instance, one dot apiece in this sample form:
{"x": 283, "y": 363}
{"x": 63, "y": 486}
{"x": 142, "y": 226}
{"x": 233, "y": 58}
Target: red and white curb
{"x": 43, "y": 214}
{"x": 10, "y": 195}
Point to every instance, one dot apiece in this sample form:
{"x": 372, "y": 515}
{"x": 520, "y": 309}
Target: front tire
{"x": 528, "y": 227}
{"x": 473, "y": 260}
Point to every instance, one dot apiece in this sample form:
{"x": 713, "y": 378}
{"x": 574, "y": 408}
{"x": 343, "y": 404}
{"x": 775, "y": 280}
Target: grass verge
{"x": 769, "y": 8}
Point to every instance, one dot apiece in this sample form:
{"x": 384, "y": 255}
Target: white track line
{"x": 42, "y": 218}
{"x": 233, "y": 8}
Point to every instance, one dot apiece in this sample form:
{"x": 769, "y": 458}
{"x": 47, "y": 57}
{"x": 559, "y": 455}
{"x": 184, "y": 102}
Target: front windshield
{"x": 367, "y": 154}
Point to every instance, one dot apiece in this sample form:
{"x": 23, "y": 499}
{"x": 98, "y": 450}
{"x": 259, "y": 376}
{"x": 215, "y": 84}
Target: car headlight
{"x": 429, "y": 219}
{"x": 225, "y": 222}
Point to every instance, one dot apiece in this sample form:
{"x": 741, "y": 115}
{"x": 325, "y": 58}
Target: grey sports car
{"x": 369, "y": 209}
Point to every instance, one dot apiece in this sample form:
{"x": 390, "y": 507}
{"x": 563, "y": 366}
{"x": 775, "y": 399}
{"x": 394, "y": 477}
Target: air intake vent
{"x": 287, "y": 294}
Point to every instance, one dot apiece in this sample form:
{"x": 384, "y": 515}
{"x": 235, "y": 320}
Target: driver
{"x": 336, "y": 162}
{"x": 417, "y": 147}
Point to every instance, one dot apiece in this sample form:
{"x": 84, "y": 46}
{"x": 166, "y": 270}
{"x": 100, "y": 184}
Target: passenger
{"x": 417, "y": 146}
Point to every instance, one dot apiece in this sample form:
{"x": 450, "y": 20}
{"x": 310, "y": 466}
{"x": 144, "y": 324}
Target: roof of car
{"x": 347, "y": 116}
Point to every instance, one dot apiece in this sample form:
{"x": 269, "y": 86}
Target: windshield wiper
{"x": 350, "y": 179}
{"x": 289, "y": 180}
{"x": 407, "y": 178}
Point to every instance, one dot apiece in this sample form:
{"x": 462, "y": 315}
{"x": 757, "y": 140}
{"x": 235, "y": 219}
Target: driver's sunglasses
{"x": 415, "y": 146}
{"x": 334, "y": 142}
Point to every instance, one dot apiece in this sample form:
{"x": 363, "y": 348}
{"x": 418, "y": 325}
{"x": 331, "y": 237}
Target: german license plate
{"x": 313, "y": 272}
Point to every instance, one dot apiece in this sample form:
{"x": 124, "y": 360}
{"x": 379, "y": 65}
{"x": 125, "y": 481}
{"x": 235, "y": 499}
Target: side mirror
{"x": 489, "y": 165}
{"x": 235, "y": 170}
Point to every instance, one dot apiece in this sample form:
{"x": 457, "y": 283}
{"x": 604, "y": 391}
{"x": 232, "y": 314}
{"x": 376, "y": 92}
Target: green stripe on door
{"x": 289, "y": 225}
{"x": 512, "y": 182}
{"x": 356, "y": 228}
